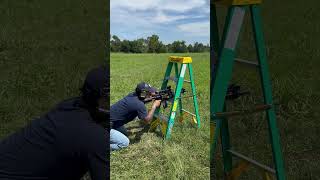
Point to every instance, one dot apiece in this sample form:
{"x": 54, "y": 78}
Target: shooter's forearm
{"x": 150, "y": 114}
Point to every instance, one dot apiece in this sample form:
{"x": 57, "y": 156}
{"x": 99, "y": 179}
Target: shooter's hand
{"x": 156, "y": 103}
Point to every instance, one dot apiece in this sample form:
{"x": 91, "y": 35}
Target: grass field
{"x": 186, "y": 154}
{"x": 46, "y": 49}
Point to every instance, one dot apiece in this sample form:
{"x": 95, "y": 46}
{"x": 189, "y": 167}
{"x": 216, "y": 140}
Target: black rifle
{"x": 164, "y": 95}
{"x": 234, "y": 92}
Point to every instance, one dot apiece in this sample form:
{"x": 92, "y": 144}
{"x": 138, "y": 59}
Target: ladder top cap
{"x": 236, "y": 2}
{"x": 180, "y": 59}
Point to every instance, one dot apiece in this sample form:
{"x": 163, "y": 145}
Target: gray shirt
{"x": 126, "y": 110}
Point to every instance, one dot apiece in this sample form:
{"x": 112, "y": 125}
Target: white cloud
{"x": 182, "y": 5}
{"x": 133, "y": 4}
{"x": 196, "y": 28}
{"x": 172, "y": 5}
{"x": 163, "y": 18}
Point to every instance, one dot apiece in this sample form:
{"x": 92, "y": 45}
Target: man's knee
{"x": 123, "y": 130}
{"x": 118, "y": 140}
{"x": 125, "y": 142}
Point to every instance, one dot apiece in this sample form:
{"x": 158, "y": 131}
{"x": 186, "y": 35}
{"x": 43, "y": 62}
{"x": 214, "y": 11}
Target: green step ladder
{"x": 165, "y": 122}
{"x": 223, "y": 59}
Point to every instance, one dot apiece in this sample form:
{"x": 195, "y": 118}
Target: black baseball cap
{"x": 143, "y": 86}
{"x": 97, "y": 82}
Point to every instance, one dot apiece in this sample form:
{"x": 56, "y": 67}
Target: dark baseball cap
{"x": 143, "y": 86}
{"x": 97, "y": 82}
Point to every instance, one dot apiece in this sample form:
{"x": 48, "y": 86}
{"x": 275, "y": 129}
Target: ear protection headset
{"x": 144, "y": 92}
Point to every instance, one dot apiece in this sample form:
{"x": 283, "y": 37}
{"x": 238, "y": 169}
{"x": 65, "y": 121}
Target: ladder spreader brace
{"x": 223, "y": 59}
{"x": 166, "y": 123}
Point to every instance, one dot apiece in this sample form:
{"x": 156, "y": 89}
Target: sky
{"x": 171, "y": 20}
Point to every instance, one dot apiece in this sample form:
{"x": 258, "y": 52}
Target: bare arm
{"x": 149, "y": 117}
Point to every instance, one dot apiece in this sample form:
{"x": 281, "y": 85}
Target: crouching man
{"x": 126, "y": 110}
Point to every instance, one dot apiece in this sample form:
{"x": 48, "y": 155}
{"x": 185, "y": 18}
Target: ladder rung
{"x": 257, "y": 164}
{"x": 246, "y": 111}
{"x": 250, "y": 63}
{"x": 161, "y": 116}
{"x": 186, "y": 97}
{"x": 172, "y": 78}
{"x": 176, "y": 79}
{"x": 188, "y": 112}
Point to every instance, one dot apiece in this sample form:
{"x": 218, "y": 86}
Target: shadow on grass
{"x": 138, "y": 134}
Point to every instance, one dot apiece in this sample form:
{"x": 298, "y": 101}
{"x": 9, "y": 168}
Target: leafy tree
{"x": 169, "y": 48}
{"x": 143, "y": 45}
{"x": 115, "y": 44}
{"x": 179, "y": 47}
{"x": 125, "y": 46}
{"x": 162, "y": 48}
{"x": 190, "y": 48}
{"x": 199, "y": 47}
{"x": 153, "y": 43}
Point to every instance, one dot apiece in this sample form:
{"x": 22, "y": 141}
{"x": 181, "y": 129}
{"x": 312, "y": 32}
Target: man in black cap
{"x": 66, "y": 142}
{"x": 126, "y": 110}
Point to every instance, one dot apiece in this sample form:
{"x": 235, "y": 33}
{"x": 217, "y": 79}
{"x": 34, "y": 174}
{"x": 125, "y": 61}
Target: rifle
{"x": 164, "y": 95}
{"x": 234, "y": 92}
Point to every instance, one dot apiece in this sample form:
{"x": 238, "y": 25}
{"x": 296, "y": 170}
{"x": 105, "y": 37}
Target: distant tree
{"x": 153, "y": 43}
{"x": 179, "y": 47}
{"x": 169, "y": 48}
{"x": 198, "y": 47}
{"x": 136, "y": 46}
{"x": 115, "y": 44}
{"x": 125, "y": 46}
{"x": 143, "y": 45}
{"x": 207, "y": 48}
{"x": 190, "y": 48}
{"x": 162, "y": 48}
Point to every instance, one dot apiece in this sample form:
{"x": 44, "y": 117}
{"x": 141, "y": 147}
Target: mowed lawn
{"x": 46, "y": 49}
{"x": 186, "y": 154}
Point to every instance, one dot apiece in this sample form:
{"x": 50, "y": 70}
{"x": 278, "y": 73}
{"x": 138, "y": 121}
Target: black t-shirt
{"x": 62, "y": 145}
{"x": 126, "y": 110}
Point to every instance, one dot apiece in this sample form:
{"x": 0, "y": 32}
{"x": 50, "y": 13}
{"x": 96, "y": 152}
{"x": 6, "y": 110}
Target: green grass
{"x": 46, "y": 49}
{"x": 186, "y": 154}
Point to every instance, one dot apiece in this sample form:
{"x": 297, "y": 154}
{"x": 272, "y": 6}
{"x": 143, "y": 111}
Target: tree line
{"x": 153, "y": 45}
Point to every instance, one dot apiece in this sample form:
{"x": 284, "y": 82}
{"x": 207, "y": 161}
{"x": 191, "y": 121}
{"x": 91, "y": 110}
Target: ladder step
{"x": 246, "y": 111}
{"x": 161, "y": 116}
{"x": 186, "y": 97}
{"x": 172, "y": 78}
{"x": 176, "y": 79}
{"x": 188, "y": 112}
{"x": 257, "y": 164}
{"x": 246, "y": 62}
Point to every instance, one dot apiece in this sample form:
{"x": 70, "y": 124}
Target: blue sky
{"x": 170, "y": 19}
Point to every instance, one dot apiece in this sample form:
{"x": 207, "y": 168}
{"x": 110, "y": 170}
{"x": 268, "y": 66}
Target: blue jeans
{"x": 118, "y": 140}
